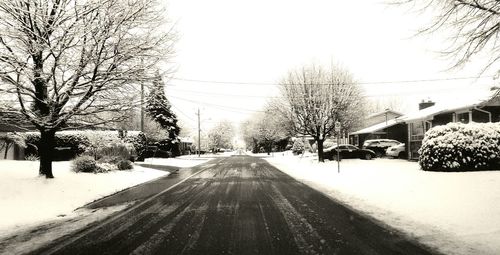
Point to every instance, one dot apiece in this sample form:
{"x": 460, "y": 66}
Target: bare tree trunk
{"x": 320, "y": 150}
{"x": 268, "y": 147}
{"x": 7, "y": 145}
{"x": 46, "y": 152}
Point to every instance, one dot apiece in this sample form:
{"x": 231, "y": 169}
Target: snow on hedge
{"x": 457, "y": 146}
{"x": 80, "y": 141}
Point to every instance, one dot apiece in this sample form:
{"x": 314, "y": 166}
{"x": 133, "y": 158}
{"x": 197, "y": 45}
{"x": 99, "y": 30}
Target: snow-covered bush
{"x": 72, "y": 142}
{"x": 105, "y": 167}
{"x": 299, "y": 146}
{"x": 458, "y": 146}
{"x": 139, "y": 141}
{"x": 124, "y": 165}
{"x": 78, "y": 142}
{"x": 100, "y": 144}
{"x": 86, "y": 164}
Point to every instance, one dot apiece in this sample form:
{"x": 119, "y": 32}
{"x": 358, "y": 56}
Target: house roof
{"x": 456, "y": 105}
{"x": 377, "y": 127}
{"x": 384, "y": 112}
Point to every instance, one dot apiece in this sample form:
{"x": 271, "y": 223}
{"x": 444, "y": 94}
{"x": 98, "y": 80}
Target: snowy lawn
{"x": 27, "y": 199}
{"x": 456, "y": 212}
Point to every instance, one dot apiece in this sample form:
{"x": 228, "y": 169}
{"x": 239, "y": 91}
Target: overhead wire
{"x": 327, "y": 84}
{"x": 228, "y": 108}
{"x": 278, "y": 97}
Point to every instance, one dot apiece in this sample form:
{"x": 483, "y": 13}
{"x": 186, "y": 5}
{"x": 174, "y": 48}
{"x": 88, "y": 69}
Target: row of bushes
{"x": 93, "y": 150}
{"x": 70, "y": 144}
{"x": 459, "y": 147}
{"x": 299, "y": 145}
{"x": 88, "y": 164}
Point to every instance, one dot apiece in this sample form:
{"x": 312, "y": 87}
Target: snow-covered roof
{"x": 377, "y": 127}
{"x": 383, "y": 113}
{"x": 442, "y": 107}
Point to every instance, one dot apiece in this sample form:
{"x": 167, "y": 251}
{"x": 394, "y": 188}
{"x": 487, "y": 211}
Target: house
{"x": 392, "y": 129}
{"x": 465, "y": 111}
{"x": 185, "y": 144}
{"x": 411, "y": 128}
{"x": 380, "y": 125}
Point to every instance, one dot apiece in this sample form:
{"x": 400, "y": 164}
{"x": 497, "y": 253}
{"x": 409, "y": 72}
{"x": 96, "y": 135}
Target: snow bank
{"x": 26, "y": 198}
{"x": 457, "y": 212}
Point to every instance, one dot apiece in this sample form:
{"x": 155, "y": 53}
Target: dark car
{"x": 379, "y": 146}
{"x": 348, "y": 151}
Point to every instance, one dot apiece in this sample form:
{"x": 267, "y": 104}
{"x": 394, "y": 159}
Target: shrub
{"x": 139, "y": 141}
{"x": 124, "y": 165}
{"x": 90, "y": 142}
{"x": 457, "y": 146}
{"x": 116, "y": 150}
{"x": 31, "y": 157}
{"x": 74, "y": 142}
{"x": 299, "y": 146}
{"x": 85, "y": 164}
{"x": 105, "y": 167}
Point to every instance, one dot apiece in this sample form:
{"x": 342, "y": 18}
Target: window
{"x": 417, "y": 131}
{"x": 350, "y": 147}
{"x": 463, "y": 117}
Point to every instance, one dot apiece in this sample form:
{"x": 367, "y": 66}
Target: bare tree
{"x": 474, "y": 26}
{"x": 221, "y": 136}
{"x": 266, "y": 128}
{"x": 69, "y": 62}
{"x": 318, "y": 98}
{"x": 374, "y": 105}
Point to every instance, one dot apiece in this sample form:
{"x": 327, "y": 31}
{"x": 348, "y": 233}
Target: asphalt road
{"x": 237, "y": 205}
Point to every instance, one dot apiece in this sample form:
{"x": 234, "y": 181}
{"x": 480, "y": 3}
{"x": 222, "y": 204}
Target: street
{"x": 237, "y": 205}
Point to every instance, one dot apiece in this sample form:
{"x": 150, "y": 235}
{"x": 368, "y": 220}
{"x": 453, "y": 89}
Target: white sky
{"x": 259, "y": 41}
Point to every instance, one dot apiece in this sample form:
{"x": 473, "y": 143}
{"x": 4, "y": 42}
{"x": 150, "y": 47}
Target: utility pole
{"x": 199, "y": 134}
{"x": 337, "y": 130}
{"x": 142, "y": 106}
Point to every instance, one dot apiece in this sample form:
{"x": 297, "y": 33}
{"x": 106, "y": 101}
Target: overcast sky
{"x": 259, "y": 41}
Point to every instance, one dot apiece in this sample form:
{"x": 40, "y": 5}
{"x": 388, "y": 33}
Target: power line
{"x": 185, "y": 115}
{"x": 227, "y": 108}
{"x": 326, "y": 84}
{"x": 281, "y": 97}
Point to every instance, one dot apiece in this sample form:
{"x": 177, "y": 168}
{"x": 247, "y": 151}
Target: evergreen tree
{"x": 159, "y": 109}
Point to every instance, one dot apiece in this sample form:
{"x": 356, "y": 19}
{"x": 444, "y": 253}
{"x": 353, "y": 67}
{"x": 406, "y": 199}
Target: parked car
{"x": 379, "y": 146}
{"x": 348, "y": 151}
{"x": 397, "y": 151}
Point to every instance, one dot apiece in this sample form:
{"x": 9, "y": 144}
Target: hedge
{"x": 70, "y": 144}
{"x": 461, "y": 147}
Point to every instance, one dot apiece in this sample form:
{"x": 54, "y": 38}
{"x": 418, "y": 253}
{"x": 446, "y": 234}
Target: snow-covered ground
{"x": 27, "y": 199}
{"x": 457, "y": 212}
